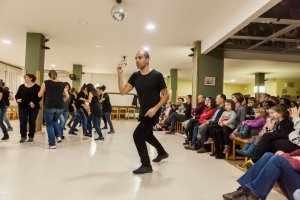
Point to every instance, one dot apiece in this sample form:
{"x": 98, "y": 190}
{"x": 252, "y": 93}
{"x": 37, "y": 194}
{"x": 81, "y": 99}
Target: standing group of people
{"x": 60, "y": 102}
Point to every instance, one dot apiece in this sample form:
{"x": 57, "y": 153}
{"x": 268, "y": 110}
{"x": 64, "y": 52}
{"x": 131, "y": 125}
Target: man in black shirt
{"x": 148, "y": 83}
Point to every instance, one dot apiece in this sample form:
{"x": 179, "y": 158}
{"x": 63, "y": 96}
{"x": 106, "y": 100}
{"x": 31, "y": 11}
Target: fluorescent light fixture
{"x": 150, "y": 26}
{"x": 255, "y": 89}
{"x": 97, "y": 46}
{"x": 146, "y": 48}
{"x": 232, "y": 80}
{"x": 53, "y": 65}
{"x": 82, "y": 22}
{"x": 262, "y": 89}
{"x": 6, "y": 42}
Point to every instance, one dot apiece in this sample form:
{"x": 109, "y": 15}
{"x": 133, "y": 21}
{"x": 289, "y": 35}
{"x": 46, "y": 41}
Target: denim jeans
{"x": 51, "y": 118}
{"x": 73, "y": 114}
{"x": 5, "y": 118}
{"x": 24, "y": 114}
{"x": 79, "y": 115}
{"x": 107, "y": 116}
{"x": 4, "y": 130}
{"x": 95, "y": 120}
{"x": 268, "y": 170}
{"x": 204, "y": 137}
{"x": 195, "y": 133}
{"x": 62, "y": 121}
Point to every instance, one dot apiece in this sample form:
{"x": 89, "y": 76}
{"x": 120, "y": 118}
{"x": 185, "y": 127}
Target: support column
{"x": 34, "y": 62}
{"x": 260, "y": 84}
{"x": 173, "y": 83}
{"x": 77, "y": 70}
{"x": 209, "y": 65}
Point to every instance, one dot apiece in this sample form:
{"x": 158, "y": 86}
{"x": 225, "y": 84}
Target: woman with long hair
{"x": 57, "y": 94}
{"x": 95, "y": 109}
{"x": 107, "y": 109}
{"x": 2, "y": 112}
{"x": 80, "y": 111}
{"x": 72, "y": 108}
{"x": 28, "y": 105}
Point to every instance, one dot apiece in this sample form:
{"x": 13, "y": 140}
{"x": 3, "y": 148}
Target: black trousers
{"x": 190, "y": 128}
{"x": 175, "y": 117}
{"x": 142, "y": 134}
{"x": 104, "y": 120}
{"x": 273, "y": 142}
{"x": 220, "y": 135}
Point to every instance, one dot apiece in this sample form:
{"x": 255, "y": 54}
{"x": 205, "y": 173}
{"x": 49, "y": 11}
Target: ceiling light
{"x": 146, "y": 48}
{"x": 118, "y": 12}
{"x": 82, "y": 22}
{"x": 150, "y": 26}
{"x": 97, "y": 46}
{"x": 6, "y": 41}
{"x": 232, "y": 80}
{"x": 53, "y": 65}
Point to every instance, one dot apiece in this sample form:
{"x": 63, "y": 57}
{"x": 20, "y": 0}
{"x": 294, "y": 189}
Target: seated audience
{"x": 294, "y": 104}
{"x": 250, "y": 147}
{"x": 274, "y": 99}
{"x": 181, "y": 101}
{"x": 245, "y": 102}
{"x": 204, "y": 116}
{"x": 258, "y": 122}
{"x": 179, "y": 116}
{"x": 280, "y": 140}
{"x": 251, "y": 106}
{"x": 168, "y": 110}
{"x": 286, "y": 102}
{"x": 257, "y": 182}
{"x": 267, "y": 105}
{"x": 201, "y": 106}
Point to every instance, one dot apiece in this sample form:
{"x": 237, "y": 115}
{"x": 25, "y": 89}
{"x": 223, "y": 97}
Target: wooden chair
{"x": 233, "y": 156}
{"x": 178, "y": 127}
{"x": 13, "y": 111}
{"x": 131, "y": 113}
{"x": 114, "y": 113}
{"x": 122, "y": 111}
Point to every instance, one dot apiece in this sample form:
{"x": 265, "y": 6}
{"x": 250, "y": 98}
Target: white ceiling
{"x": 178, "y": 24}
{"x": 242, "y": 71}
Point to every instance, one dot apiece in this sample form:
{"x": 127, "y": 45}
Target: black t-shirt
{"x": 6, "y": 97}
{"x": 148, "y": 88}
{"x": 106, "y": 103}
{"x": 72, "y": 100}
{"x": 79, "y": 102}
{"x": 2, "y": 99}
{"x": 55, "y": 94}
{"x": 95, "y": 107}
{"x": 28, "y": 95}
{"x": 188, "y": 111}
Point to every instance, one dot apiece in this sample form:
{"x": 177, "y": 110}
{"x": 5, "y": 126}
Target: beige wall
{"x": 293, "y": 92}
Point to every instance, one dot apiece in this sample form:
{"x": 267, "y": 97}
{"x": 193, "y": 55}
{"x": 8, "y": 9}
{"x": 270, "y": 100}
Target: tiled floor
{"x": 81, "y": 168}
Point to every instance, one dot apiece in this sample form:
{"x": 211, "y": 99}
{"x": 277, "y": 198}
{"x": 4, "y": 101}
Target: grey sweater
{"x": 231, "y": 118}
{"x": 294, "y": 136}
{"x": 241, "y": 112}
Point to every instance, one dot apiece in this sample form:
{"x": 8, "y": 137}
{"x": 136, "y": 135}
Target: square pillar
{"x": 77, "y": 70}
{"x": 259, "y": 84}
{"x": 173, "y": 83}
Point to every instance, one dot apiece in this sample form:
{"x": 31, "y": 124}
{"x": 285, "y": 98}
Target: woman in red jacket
{"x": 204, "y": 116}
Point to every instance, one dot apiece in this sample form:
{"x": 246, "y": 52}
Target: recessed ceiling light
{"x": 232, "y": 80}
{"x": 146, "y": 48}
{"x": 82, "y": 22}
{"x": 150, "y": 26}
{"x": 6, "y": 41}
{"x": 97, "y": 46}
{"x": 53, "y": 65}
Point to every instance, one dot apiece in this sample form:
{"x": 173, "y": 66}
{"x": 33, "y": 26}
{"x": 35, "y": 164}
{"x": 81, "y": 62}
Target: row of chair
{"x": 117, "y": 113}
{"x": 12, "y": 112}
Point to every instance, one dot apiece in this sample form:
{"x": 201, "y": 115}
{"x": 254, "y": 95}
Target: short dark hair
{"x": 295, "y": 103}
{"x": 202, "y": 95}
{"x": 190, "y": 96}
{"x": 32, "y": 76}
{"x": 239, "y": 97}
{"x": 287, "y": 102}
{"x": 181, "y": 98}
{"x": 146, "y": 54}
{"x": 223, "y": 96}
{"x": 266, "y": 95}
{"x": 184, "y": 104}
{"x": 252, "y": 99}
{"x": 103, "y": 88}
{"x": 231, "y": 103}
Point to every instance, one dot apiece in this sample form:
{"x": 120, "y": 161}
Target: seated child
{"x": 157, "y": 126}
{"x": 162, "y": 120}
{"x": 251, "y": 106}
{"x": 252, "y": 144}
{"x": 258, "y": 122}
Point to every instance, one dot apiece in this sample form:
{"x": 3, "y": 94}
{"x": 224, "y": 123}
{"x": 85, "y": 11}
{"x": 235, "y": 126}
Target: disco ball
{"x": 118, "y": 12}
{"x": 124, "y": 62}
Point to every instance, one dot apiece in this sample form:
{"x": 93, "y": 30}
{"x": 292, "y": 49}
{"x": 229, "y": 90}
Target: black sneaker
{"x": 111, "y": 131}
{"x": 23, "y": 139}
{"x": 214, "y": 154}
{"x": 105, "y": 127}
{"x": 102, "y": 139}
{"x": 6, "y": 137}
{"x": 62, "y": 137}
{"x": 159, "y": 158}
{"x": 187, "y": 142}
{"x": 75, "y": 129}
{"x": 68, "y": 125}
{"x": 220, "y": 155}
{"x": 87, "y": 135}
{"x": 30, "y": 139}
{"x": 143, "y": 170}
{"x": 10, "y": 129}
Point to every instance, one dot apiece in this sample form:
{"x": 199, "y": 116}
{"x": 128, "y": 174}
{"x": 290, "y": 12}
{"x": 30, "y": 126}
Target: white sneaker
{"x": 49, "y": 147}
{"x": 59, "y": 139}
